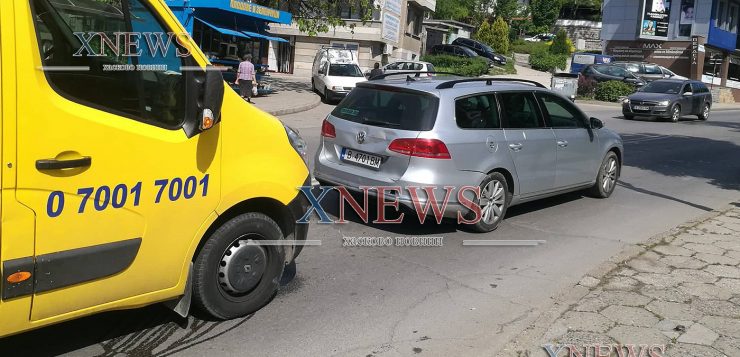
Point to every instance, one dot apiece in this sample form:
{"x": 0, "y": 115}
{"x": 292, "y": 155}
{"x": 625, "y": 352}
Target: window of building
{"x": 414, "y": 19}
{"x": 731, "y": 22}
{"x": 477, "y": 112}
{"x": 712, "y": 65}
{"x": 155, "y": 94}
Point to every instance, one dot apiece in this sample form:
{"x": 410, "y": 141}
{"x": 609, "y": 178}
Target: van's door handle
{"x": 562, "y": 143}
{"x": 53, "y": 164}
{"x": 516, "y": 147}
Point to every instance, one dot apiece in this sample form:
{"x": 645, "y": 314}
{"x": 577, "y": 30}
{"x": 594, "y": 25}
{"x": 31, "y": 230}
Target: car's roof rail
{"x": 415, "y": 73}
{"x": 489, "y": 81}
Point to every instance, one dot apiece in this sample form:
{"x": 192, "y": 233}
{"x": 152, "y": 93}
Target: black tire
{"x": 629, "y": 117}
{"x": 675, "y": 113}
{"x": 607, "y": 172}
{"x": 221, "y": 289}
{"x": 484, "y": 226}
{"x": 705, "y": 111}
{"x": 313, "y": 86}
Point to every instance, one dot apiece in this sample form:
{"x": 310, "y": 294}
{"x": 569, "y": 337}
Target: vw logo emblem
{"x": 361, "y": 137}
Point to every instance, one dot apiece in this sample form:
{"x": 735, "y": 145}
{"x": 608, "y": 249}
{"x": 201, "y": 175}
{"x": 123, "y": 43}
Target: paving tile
{"x": 722, "y": 325}
{"x": 670, "y": 294}
{"x": 580, "y": 338}
{"x": 705, "y": 248}
{"x": 724, "y": 271}
{"x": 717, "y": 259}
{"x": 689, "y": 350}
{"x": 728, "y": 346}
{"x": 674, "y": 311}
{"x": 620, "y": 283}
{"x": 717, "y": 308}
{"x": 589, "y": 282}
{"x": 706, "y": 291}
{"x": 673, "y": 250}
{"x": 678, "y": 261}
{"x": 648, "y": 266}
{"x": 658, "y": 280}
{"x": 729, "y": 245}
{"x": 637, "y": 335}
{"x": 587, "y": 322}
{"x": 700, "y": 335}
{"x": 632, "y": 316}
{"x": 731, "y": 285}
{"x": 693, "y": 275}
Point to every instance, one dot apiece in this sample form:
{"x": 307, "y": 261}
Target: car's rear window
{"x": 389, "y": 108}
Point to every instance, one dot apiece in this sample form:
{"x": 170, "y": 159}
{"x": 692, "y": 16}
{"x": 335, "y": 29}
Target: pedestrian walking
{"x": 246, "y": 78}
{"x": 376, "y": 72}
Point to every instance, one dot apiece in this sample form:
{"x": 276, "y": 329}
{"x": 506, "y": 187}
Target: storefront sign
{"x": 674, "y": 55}
{"x": 393, "y": 6}
{"x": 391, "y": 27}
{"x": 656, "y": 15}
{"x": 694, "y": 51}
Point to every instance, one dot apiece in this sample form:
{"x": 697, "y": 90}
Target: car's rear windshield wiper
{"x": 379, "y": 122}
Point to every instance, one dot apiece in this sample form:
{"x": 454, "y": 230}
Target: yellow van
{"x": 132, "y": 176}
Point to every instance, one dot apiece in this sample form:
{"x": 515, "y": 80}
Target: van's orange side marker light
{"x": 18, "y": 277}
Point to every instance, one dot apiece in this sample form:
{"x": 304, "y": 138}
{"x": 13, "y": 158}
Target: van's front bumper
{"x": 298, "y": 208}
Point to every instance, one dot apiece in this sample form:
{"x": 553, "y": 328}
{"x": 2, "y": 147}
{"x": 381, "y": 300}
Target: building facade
{"x": 395, "y": 32}
{"x": 443, "y": 32}
{"x": 226, "y": 30}
{"x": 694, "y": 38}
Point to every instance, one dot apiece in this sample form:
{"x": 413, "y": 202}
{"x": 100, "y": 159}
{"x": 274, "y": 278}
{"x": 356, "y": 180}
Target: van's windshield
{"x": 345, "y": 70}
{"x": 404, "y": 110}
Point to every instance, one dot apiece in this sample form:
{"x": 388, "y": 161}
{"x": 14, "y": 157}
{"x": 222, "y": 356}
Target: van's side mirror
{"x": 205, "y": 94}
{"x": 596, "y": 123}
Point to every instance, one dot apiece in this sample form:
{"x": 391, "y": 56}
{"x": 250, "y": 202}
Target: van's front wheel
{"x": 235, "y": 275}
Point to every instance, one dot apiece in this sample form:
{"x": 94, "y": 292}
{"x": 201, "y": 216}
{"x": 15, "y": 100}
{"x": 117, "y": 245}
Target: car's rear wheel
{"x": 676, "y": 113}
{"x": 704, "y": 115}
{"x": 606, "y": 180}
{"x": 234, "y": 275}
{"x": 494, "y": 202}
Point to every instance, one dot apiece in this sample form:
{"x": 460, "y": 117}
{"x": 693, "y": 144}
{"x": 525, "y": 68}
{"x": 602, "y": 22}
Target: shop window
{"x": 731, "y": 23}
{"x": 712, "y": 65}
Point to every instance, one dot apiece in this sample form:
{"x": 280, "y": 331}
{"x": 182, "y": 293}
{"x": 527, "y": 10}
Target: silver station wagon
{"x": 516, "y": 140}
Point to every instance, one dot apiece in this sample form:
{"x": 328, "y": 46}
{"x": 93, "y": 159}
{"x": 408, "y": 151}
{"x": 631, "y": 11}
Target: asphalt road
{"x": 449, "y": 300}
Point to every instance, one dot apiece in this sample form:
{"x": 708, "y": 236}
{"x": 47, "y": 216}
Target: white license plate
{"x": 361, "y": 158}
{"x": 641, "y": 107}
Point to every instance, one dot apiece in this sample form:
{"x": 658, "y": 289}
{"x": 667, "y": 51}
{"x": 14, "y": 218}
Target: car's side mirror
{"x": 321, "y": 71}
{"x": 205, "y": 93}
{"x": 688, "y": 94}
{"x": 596, "y": 123}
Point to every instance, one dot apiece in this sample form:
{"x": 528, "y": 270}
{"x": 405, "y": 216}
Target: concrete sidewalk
{"x": 291, "y": 95}
{"x": 680, "y": 290}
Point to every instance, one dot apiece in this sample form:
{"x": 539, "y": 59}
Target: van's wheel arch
{"x": 232, "y": 275}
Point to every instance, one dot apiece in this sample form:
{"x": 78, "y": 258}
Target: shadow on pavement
{"x": 733, "y": 126}
{"x": 685, "y": 156}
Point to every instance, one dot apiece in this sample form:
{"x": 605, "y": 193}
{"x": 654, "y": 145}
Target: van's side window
{"x": 519, "y": 111}
{"x": 477, "y": 112}
{"x": 85, "y": 59}
{"x": 561, "y": 112}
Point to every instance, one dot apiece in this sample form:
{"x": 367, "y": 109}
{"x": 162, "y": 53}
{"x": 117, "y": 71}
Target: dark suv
{"x": 459, "y": 51}
{"x": 607, "y": 72}
{"x": 481, "y": 49}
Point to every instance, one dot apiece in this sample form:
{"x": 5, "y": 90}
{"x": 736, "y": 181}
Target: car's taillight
{"x": 328, "y": 130}
{"x": 427, "y": 148}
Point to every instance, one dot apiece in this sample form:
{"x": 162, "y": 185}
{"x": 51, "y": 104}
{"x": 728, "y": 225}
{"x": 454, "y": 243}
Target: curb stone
{"x": 315, "y": 103}
{"x": 523, "y": 343}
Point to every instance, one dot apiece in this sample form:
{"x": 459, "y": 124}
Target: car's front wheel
{"x": 606, "y": 180}
{"x": 704, "y": 115}
{"x": 494, "y": 202}
{"x": 676, "y": 113}
{"x": 235, "y": 273}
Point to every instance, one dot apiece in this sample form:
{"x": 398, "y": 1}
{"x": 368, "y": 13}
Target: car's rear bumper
{"x": 417, "y": 175}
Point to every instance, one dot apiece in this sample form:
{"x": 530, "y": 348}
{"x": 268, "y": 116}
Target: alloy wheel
{"x": 705, "y": 115}
{"x": 493, "y": 199}
{"x": 676, "y": 114}
{"x": 609, "y": 178}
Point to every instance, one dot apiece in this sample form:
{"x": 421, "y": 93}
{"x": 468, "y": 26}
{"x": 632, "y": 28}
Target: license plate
{"x": 361, "y": 158}
{"x": 641, "y": 107}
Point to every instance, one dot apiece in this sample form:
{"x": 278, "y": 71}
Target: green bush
{"x": 547, "y": 62}
{"x": 560, "y": 45}
{"x": 611, "y": 91}
{"x": 521, "y": 46}
{"x": 469, "y": 67}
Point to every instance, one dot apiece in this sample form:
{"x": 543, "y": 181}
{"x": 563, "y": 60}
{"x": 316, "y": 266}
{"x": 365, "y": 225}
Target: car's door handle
{"x": 516, "y": 147}
{"x": 562, "y": 143}
{"x": 53, "y": 164}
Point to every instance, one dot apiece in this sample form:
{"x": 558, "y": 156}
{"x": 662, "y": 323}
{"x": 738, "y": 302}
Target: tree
{"x": 500, "y": 31}
{"x": 506, "y": 9}
{"x": 485, "y": 33}
{"x": 458, "y": 10}
{"x": 560, "y": 45}
{"x": 544, "y": 12}
{"x": 318, "y": 16}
